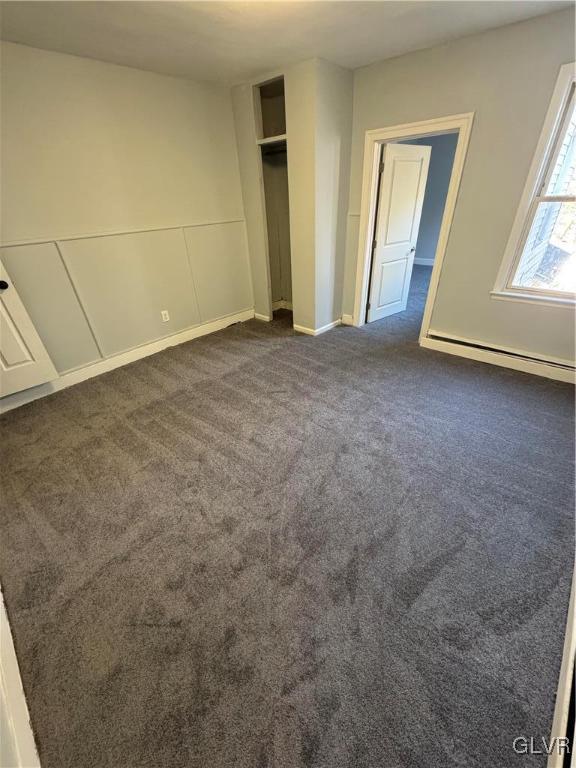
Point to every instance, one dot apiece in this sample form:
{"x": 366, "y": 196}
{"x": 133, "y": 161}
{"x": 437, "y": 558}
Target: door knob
{"x": 3, "y": 285}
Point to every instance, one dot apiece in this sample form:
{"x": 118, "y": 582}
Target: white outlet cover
{"x": 165, "y": 315}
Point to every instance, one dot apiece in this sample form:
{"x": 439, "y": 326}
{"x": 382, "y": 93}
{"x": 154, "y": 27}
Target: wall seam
{"x": 82, "y": 309}
{"x": 192, "y": 274}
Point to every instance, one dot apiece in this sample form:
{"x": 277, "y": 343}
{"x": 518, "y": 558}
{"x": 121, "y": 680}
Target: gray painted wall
{"x": 93, "y": 152}
{"x": 506, "y": 76}
{"x": 318, "y": 122}
{"x": 41, "y": 280}
{"x": 300, "y": 83}
{"x": 125, "y": 281}
{"x": 333, "y": 140}
{"x": 439, "y": 172}
{"x": 252, "y": 195}
{"x": 90, "y": 147}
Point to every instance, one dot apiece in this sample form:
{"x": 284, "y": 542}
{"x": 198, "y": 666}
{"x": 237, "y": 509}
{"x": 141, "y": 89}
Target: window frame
{"x": 543, "y": 162}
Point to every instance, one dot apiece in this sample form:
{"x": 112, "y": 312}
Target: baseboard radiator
{"x": 500, "y": 351}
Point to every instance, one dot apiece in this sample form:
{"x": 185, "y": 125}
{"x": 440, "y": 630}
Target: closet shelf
{"x": 272, "y": 139}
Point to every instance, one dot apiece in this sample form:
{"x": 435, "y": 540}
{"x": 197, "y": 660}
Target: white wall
{"x": 318, "y": 124}
{"x": 301, "y": 102}
{"x": 441, "y": 161}
{"x": 252, "y": 195}
{"x": 506, "y": 76}
{"x": 333, "y": 141}
{"x": 96, "y": 152}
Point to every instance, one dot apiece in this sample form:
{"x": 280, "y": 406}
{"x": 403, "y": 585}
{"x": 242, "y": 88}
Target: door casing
{"x": 460, "y": 124}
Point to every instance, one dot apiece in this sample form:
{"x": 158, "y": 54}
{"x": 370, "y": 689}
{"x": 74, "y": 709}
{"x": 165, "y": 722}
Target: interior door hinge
{"x": 368, "y": 305}
{"x": 381, "y": 166}
{"x": 374, "y": 245}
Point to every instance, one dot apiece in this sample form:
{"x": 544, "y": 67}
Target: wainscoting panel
{"x": 219, "y": 259}
{"x": 125, "y": 282}
{"x": 40, "y": 278}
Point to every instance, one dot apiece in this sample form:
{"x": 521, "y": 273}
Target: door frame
{"x": 19, "y": 736}
{"x": 373, "y": 141}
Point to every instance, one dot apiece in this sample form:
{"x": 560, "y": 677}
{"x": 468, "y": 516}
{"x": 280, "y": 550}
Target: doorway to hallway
{"x": 413, "y": 181}
{"x": 403, "y": 206}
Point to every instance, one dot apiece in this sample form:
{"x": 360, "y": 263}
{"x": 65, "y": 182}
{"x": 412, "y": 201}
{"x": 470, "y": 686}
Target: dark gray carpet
{"x": 265, "y": 550}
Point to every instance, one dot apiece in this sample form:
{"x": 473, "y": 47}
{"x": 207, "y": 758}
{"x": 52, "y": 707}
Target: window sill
{"x": 533, "y": 298}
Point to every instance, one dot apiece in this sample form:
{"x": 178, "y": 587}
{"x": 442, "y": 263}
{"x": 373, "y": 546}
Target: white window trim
{"x": 540, "y": 162}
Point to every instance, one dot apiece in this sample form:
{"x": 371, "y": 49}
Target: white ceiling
{"x": 233, "y": 41}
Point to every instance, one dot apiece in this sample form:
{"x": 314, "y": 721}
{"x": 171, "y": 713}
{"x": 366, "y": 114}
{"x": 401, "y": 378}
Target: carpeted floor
{"x": 266, "y": 550}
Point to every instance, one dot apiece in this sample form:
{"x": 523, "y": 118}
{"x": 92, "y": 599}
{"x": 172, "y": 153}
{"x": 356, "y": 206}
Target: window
{"x": 540, "y": 261}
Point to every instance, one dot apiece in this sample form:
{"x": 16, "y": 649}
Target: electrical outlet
{"x": 165, "y": 315}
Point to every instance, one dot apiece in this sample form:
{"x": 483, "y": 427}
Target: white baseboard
{"x": 69, "y": 378}
{"x": 317, "y": 331}
{"x": 281, "y": 305}
{"x": 347, "y": 320}
{"x": 424, "y": 262}
{"x": 518, "y": 360}
{"x": 18, "y": 747}
{"x": 264, "y": 318}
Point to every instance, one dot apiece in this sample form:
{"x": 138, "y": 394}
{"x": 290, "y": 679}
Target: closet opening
{"x": 271, "y": 117}
{"x": 275, "y": 178}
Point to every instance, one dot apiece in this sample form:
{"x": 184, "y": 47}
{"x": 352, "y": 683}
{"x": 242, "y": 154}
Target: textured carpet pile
{"x": 266, "y": 550}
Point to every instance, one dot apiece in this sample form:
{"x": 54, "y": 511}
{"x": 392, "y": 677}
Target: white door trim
{"x": 560, "y": 722}
{"x": 262, "y": 203}
{"x": 19, "y": 746}
{"x": 462, "y": 124}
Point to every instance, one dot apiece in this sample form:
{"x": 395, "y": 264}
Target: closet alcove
{"x": 271, "y": 126}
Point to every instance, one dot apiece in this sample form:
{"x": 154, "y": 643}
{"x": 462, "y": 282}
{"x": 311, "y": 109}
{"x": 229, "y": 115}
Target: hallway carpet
{"x": 266, "y": 550}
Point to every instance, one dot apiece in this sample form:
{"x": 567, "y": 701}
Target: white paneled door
{"x": 24, "y": 361}
{"x": 400, "y": 198}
